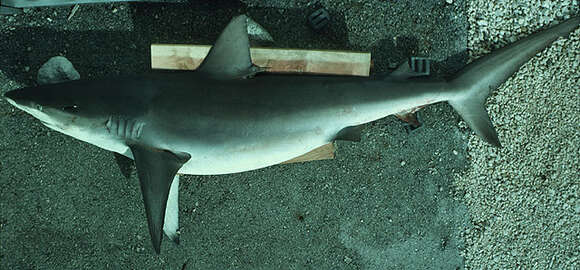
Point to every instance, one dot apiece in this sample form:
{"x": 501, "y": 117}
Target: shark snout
{"x": 21, "y": 98}
{"x": 14, "y": 96}
{"x": 10, "y": 96}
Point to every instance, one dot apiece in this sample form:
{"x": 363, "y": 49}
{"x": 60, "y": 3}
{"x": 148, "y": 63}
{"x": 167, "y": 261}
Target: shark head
{"x": 52, "y": 105}
{"x": 56, "y": 105}
{"x": 95, "y": 112}
{"x": 75, "y": 105}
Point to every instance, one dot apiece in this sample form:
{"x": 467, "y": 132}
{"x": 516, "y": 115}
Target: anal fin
{"x": 410, "y": 118}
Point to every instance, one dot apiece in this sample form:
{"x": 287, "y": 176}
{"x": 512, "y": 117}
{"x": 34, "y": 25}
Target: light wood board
{"x": 189, "y": 57}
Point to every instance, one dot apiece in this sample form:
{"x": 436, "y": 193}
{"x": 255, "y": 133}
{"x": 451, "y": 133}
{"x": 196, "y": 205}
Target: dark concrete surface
{"x": 383, "y": 203}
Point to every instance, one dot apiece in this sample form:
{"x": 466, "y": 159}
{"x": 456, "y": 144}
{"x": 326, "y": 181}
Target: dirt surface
{"x": 383, "y": 203}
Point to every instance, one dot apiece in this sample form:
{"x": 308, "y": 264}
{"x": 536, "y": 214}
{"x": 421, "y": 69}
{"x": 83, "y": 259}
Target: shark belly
{"x": 224, "y": 161}
{"x": 239, "y": 155}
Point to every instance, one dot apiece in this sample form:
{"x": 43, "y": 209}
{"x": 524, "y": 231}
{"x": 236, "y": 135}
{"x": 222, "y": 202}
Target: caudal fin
{"x": 478, "y": 79}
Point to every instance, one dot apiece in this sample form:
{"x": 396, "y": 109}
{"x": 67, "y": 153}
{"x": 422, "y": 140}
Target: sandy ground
{"x": 433, "y": 198}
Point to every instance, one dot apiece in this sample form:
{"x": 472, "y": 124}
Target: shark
{"x": 228, "y": 116}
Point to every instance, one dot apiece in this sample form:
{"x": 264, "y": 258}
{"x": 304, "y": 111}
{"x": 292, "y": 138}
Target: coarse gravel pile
{"x": 523, "y": 198}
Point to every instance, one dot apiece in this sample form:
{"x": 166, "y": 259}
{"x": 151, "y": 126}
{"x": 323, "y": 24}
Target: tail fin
{"x": 484, "y": 75}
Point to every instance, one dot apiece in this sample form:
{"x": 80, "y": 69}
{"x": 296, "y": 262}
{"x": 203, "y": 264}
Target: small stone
{"x": 347, "y": 260}
{"x": 57, "y": 69}
{"x": 449, "y": 1}
{"x": 403, "y": 163}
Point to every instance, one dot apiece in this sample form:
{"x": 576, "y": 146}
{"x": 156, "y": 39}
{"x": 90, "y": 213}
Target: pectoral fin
{"x": 156, "y": 169}
{"x": 171, "y": 224}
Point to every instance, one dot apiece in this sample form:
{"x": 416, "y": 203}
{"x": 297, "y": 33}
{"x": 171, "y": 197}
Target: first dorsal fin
{"x": 229, "y": 58}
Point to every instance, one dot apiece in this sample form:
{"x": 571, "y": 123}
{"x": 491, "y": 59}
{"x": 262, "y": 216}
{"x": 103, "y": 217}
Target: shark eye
{"x": 39, "y": 107}
{"x": 71, "y": 109}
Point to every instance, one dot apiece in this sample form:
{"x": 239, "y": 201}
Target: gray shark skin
{"x": 227, "y": 117}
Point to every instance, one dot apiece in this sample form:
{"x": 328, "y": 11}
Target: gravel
{"x": 523, "y": 198}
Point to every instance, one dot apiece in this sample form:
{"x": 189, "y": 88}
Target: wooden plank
{"x": 323, "y": 152}
{"x": 189, "y": 57}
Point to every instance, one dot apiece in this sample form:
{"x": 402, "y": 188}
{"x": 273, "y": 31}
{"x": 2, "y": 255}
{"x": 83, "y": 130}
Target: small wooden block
{"x": 189, "y": 57}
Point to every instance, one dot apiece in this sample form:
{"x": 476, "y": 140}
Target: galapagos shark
{"x": 228, "y": 117}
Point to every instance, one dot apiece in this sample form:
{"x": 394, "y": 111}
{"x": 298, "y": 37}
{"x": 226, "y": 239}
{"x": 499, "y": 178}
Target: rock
{"x": 57, "y": 69}
{"x": 257, "y": 32}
